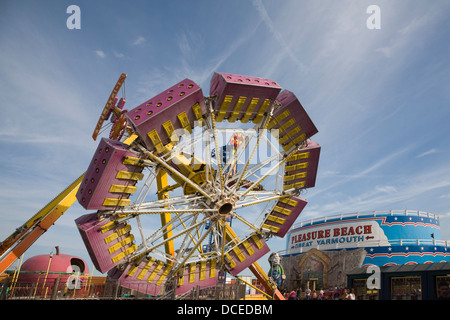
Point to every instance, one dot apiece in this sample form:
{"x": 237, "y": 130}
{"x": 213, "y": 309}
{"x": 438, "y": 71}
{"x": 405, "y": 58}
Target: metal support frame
{"x": 216, "y": 196}
{"x": 161, "y": 180}
{"x": 256, "y": 269}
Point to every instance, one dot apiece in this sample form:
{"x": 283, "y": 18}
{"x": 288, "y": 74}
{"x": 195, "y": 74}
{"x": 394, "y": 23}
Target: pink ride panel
{"x": 292, "y": 121}
{"x": 107, "y": 243}
{"x": 242, "y": 98}
{"x": 178, "y": 107}
{"x": 245, "y": 254}
{"x": 283, "y": 215}
{"x": 110, "y": 178}
{"x": 301, "y": 167}
{"x": 149, "y": 276}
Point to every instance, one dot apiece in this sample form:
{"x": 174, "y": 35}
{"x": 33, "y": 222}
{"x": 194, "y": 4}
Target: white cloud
{"x": 400, "y": 192}
{"x": 31, "y": 138}
{"x": 139, "y": 40}
{"x": 426, "y": 153}
{"x": 410, "y": 33}
{"x": 183, "y": 44}
{"x": 364, "y": 173}
{"x": 258, "y": 4}
{"x": 445, "y": 215}
{"x": 386, "y": 51}
{"x": 419, "y": 22}
{"x": 118, "y": 54}
{"x": 163, "y": 77}
{"x": 328, "y": 173}
{"x": 386, "y": 189}
{"x": 100, "y": 53}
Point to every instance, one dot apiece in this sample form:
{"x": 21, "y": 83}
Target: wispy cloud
{"x": 426, "y": 153}
{"x": 163, "y": 77}
{"x": 444, "y": 216}
{"x": 258, "y": 4}
{"x": 139, "y": 40}
{"x": 364, "y": 173}
{"x": 100, "y": 53}
{"x": 184, "y": 43}
{"x": 405, "y": 34}
{"x": 33, "y": 138}
{"x": 397, "y": 195}
{"x": 386, "y": 189}
{"x": 118, "y": 55}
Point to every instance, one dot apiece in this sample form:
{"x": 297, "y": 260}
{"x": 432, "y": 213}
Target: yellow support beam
{"x": 255, "y": 268}
{"x": 45, "y": 218}
{"x": 256, "y": 288}
{"x": 162, "y": 182}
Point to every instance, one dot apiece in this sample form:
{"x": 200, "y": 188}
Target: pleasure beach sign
{"x": 329, "y": 236}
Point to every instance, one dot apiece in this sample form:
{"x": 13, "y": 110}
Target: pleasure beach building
{"x": 320, "y": 253}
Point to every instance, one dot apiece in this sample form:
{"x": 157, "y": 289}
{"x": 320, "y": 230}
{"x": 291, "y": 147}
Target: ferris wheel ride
{"x": 187, "y": 186}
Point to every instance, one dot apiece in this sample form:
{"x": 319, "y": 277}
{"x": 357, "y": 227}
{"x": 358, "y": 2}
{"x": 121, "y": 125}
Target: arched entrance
{"x": 313, "y": 270}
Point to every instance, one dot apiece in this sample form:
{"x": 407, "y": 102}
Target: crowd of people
{"x": 330, "y": 294}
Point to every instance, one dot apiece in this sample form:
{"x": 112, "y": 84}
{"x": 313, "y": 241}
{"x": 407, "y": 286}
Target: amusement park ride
{"x": 235, "y": 163}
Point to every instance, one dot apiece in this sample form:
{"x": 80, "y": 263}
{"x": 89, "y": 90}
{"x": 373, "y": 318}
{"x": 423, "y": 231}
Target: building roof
{"x": 439, "y": 266}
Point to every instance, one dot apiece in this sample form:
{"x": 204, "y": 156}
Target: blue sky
{"x": 380, "y": 98}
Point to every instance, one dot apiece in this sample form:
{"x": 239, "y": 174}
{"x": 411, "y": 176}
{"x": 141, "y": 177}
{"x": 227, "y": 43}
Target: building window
{"x": 443, "y": 287}
{"x": 361, "y": 291}
{"x": 406, "y": 288}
